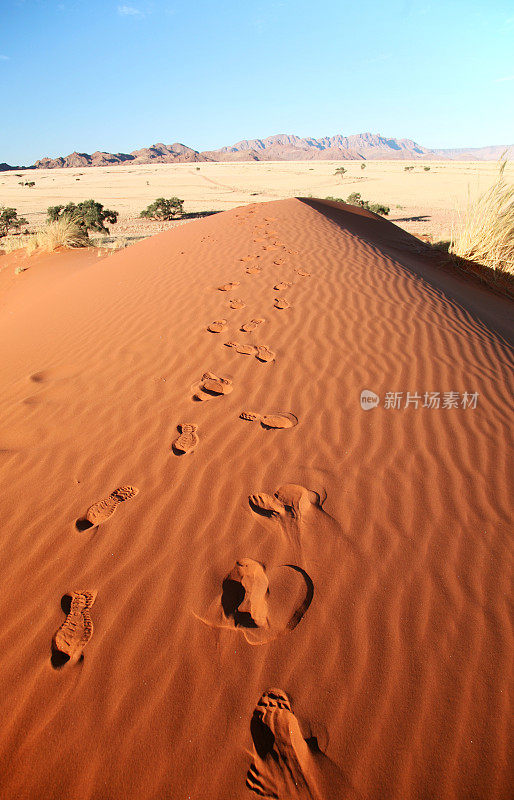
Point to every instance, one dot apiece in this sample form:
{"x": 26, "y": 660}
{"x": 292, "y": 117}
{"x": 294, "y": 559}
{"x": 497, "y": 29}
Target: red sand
{"x": 377, "y": 663}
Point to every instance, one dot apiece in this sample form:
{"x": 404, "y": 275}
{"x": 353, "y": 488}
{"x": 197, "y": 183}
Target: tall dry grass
{"x": 485, "y": 231}
{"x": 64, "y": 232}
{"x": 11, "y": 243}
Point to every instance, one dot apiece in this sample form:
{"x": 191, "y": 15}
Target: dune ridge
{"x": 398, "y": 672}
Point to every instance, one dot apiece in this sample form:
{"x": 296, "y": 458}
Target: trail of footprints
{"x": 284, "y": 762}
{"x": 212, "y": 385}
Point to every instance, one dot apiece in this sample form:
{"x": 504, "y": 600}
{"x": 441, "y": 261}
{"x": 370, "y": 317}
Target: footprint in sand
{"x": 188, "y": 439}
{"x": 248, "y": 258}
{"x": 279, "y": 261}
{"x": 252, "y": 325}
{"x": 243, "y": 349}
{"x": 228, "y": 286}
{"x": 279, "y": 287}
{"x": 211, "y": 386}
{"x": 260, "y": 604}
{"x": 217, "y": 326}
{"x": 286, "y": 764}
{"x": 278, "y": 419}
{"x": 281, "y": 303}
{"x": 236, "y": 303}
{"x": 290, "y": 500}
{"x": 253, "y": 270}
{"x": 103, "y": 510}
{"x": 76, "y": 631}
{"x": 264, "y": 353}
{"x": 302, "y": 273}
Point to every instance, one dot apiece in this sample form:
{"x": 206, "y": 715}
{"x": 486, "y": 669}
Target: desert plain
{"x": 424, "y": 202}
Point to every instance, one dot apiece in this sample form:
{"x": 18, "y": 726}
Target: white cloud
{"x": 4, "y": 58}
{"x": 502, "y": 80}
{"x": 129, "y": 11}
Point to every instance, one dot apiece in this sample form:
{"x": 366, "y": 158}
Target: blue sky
{"x": 117, "y": 76}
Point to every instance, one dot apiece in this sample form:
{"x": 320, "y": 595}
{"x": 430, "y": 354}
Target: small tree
{"x": 89, "y": 215}
{"x": 341, "y": 171}
{"x": 9, "y": 220}
{"x": 164, "y": 208}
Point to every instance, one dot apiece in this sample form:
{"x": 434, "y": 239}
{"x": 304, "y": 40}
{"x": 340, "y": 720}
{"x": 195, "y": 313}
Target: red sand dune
{"x": 314, "y": 611}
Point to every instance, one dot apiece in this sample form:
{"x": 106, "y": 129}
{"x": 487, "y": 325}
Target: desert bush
{"x": 355, "y": 199}
{"x": 26, "y": 183}
{"x": 164, "y": 208}
{"x": 88, "y": 215}
{"x": 427, "y": 169}
{"x": 66, "y": 231}
{"x": 10, "y": 221}
{"x": 485, "y": 230}
{"x": 408, "y": 169}
{"x": 341, "y": 171}
{"x": 363, "y": 166}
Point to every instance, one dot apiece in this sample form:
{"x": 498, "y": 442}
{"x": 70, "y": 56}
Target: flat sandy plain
{"x": 422, "y": 202}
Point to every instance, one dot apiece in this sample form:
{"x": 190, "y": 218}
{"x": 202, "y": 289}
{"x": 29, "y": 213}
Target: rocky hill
{"x": 282, "y": 147}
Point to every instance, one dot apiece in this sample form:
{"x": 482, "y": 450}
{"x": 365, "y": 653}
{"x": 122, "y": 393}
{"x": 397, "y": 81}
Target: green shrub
{"x": 408, "y": 169}
{"x": 363, "y": 166}
{"x": 355, "y": 199}
{"x": 426, "y": 169}
{"x": 164, "y": 208}
{"x": 89, "y": 215}
{"x": 9, "y": 220}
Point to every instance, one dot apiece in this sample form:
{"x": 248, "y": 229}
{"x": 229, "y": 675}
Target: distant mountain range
{"x": 283, "y": 147}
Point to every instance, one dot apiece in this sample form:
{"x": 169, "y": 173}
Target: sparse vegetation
{"x": 10, "y": 221}
{"x": 408, "y": 169}
{"x": 355, "y": 199}
{"x": 363, "y": 166}
{"x": 341, "y": 171}
{"x": 485, "y": 231}
{"x": 88, "y": 215}
{"x": 65, "y": 231}
{"x": 26, "y": 183}
{"x": 427, "y": 169}
{"x": 164, "y": 208}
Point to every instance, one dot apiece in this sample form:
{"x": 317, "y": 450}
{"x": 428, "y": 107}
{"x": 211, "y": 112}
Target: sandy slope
{"x": 386, "y": 641}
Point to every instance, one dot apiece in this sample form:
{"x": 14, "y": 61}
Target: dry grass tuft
{"x": 485, "y": 232}
{"x": 10, "y": 243}
{"x": 64, "y": 232}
